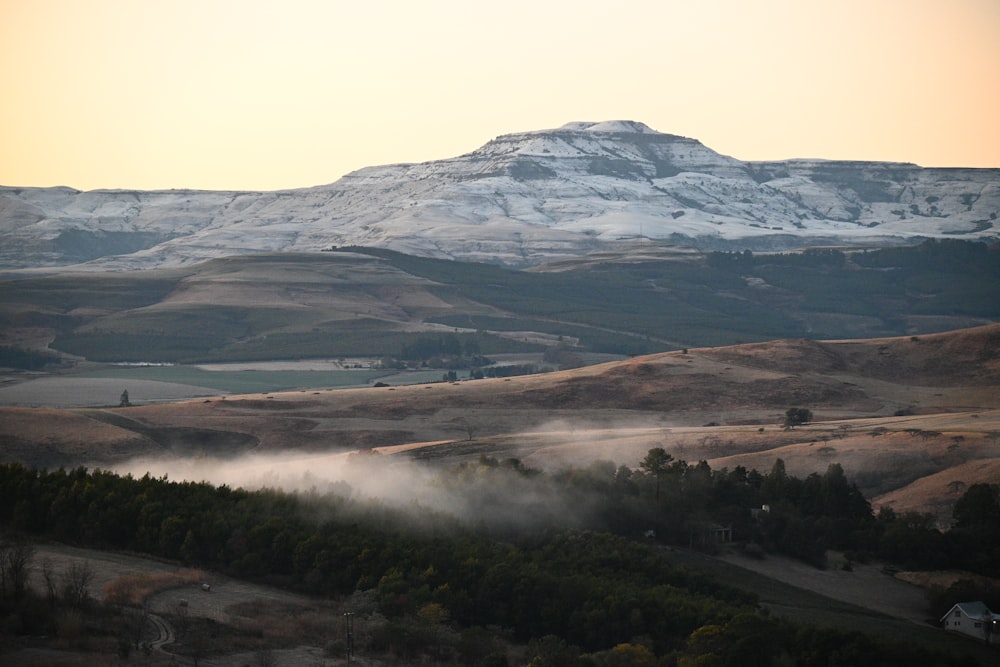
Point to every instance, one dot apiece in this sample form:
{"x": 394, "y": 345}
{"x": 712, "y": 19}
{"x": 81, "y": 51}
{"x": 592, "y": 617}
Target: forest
{"x": 583, "y": 582}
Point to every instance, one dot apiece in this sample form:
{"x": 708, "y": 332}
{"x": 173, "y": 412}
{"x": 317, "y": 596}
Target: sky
{"x": 255, "y": 95}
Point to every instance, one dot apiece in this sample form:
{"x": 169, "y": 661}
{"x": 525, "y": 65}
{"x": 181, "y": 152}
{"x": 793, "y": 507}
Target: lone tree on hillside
{"x": 467, "y": 426}
{"x": 796, "y": 416}
{"x": 656, "y": 463}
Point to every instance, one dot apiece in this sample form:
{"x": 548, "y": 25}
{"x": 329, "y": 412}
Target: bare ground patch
{"x": 229, "y": 624}
{"x": 865, "y": 585}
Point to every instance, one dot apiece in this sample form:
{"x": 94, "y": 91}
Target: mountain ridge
{"x": 520, "y": 199}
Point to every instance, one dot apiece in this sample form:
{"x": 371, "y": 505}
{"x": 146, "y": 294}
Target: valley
{"x": 364, "y": 338}
{"x": 914, "y": 421}
{"x": 367, "y": 383}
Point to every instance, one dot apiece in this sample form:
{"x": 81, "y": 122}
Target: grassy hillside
{"x": 374, "y": 302}
{"x": 897, "y": 413}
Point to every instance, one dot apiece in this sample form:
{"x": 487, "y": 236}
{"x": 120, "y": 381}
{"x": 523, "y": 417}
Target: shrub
{"x": 796, "y": 416}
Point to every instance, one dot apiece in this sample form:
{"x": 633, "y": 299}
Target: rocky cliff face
{"x": 520, "y": 199}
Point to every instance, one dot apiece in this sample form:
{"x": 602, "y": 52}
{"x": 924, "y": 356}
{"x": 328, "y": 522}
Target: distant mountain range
{"x": 521, "y": 199}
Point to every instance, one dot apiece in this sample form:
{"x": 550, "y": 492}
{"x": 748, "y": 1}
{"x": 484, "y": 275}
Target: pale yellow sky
{"x": 254, "y": 95}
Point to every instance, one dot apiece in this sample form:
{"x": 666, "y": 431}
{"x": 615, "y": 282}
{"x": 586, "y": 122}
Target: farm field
{"x": 100, "y": 385}
{"x": 74, "y": 392}
{"x": 157, "y": 384}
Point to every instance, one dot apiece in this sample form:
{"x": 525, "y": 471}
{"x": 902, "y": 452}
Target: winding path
{"x": 164, "y": 633}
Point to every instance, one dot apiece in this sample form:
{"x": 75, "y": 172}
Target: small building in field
{"x": 973, "y": 619}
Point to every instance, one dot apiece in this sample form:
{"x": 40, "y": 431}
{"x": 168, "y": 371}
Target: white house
{"x": 973, "y": 619}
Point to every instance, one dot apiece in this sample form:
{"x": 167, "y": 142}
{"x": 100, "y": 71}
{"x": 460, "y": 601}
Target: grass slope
{"x": 892, "y": 412}
{"x": 368, "y": 302}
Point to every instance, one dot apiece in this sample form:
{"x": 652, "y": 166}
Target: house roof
{"x": 975, "y": 610}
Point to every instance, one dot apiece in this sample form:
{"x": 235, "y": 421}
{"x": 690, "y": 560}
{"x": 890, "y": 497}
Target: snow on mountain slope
{"x": 520, "y": 199}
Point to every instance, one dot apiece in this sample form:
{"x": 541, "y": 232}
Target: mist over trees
{"x": 582, "y": 578}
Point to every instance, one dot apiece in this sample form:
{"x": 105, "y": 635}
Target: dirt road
{"x": 218, "y": 603}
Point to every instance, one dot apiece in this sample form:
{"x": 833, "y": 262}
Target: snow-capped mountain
{"x": 520, "y": 199}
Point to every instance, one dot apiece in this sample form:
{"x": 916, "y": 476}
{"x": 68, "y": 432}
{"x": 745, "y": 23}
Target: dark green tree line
{"x": 566, "y": 574}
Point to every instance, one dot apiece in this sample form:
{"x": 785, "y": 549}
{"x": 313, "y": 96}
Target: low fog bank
{"x": 500, "y": 495}
{"x": 552, "y": 482}
{"x": 563, "y": 443}
{"x": 344, "y": 474}
{"x": 395, "y": 478}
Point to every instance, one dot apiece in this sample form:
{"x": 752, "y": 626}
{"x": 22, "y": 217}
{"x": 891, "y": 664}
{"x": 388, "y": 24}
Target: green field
{"x": 259, "y": 381}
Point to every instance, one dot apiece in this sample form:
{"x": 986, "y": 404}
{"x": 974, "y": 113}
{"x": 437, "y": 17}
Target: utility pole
{"x": 349, "y": 617}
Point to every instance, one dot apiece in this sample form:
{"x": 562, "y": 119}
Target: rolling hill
{"x": 914, "y": 420}
{"x": 373, "y": 303}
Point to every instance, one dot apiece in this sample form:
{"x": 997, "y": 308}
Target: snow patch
{"x": 610, "y": 126}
